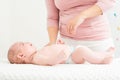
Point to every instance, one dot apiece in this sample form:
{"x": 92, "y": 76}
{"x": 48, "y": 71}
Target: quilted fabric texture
{"x": 60, "y": 72}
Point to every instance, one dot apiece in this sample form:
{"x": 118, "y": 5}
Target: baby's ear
{"x": 21, "y": 56}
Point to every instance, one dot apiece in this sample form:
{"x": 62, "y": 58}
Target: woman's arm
{"x": 98, "y": 9}
{"x": 52, "y": 33}
{"x": 91, "y": 12}
{"x": 52, "y": 21}
{"x": 80, "y": 18}
{"x": 105, "y": 4}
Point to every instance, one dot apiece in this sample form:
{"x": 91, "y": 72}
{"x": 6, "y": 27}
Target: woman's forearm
{"x": 92, "y": 12}
{"x": 52, "y": 33}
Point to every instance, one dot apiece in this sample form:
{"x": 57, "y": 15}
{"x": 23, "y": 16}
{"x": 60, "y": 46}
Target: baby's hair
{"x": 13, "y": 51}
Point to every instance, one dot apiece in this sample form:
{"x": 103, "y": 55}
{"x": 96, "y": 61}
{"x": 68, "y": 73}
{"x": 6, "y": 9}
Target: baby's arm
{"x": 52, "y": 55}
{"x": 58, "y": 53}
{"x": 57, "y": 58}
{"x": 40, "y": 59}
{"x": 51, "y": 59}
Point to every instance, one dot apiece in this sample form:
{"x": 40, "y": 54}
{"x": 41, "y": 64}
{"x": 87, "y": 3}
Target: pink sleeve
{"x": 105, "y": 4}
{"x": 52, "y": 14}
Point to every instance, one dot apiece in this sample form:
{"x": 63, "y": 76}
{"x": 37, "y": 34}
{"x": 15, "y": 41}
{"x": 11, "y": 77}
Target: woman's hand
{"x": 74, "y": 23}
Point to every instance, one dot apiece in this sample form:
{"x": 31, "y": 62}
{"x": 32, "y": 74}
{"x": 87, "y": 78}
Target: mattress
{"x": 60, "y": 71}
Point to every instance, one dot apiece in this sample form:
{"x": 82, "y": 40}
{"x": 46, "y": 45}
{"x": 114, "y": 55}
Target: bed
{"x": 60, "y": 72}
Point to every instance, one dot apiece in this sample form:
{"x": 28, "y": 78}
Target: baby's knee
{"x": 82, "y": 49}
{"x": 79, "y": 61}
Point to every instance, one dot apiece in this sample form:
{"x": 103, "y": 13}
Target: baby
{"x": 26, "y": 53}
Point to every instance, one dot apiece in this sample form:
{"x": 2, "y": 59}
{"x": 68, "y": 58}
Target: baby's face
{"x": 27, "y": 50}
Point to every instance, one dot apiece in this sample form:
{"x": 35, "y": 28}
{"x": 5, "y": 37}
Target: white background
{"x": 22, "y": 20}
{"x": 25, "y": 20}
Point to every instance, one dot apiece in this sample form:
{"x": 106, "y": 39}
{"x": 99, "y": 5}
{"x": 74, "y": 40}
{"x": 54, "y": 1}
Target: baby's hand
{"x": 74, "y": 23}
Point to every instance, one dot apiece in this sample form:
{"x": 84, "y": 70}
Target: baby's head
{"x": 21, "y": 52}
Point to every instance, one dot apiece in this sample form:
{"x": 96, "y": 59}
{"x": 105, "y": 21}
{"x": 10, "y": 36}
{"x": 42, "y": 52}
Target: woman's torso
{"x": 95, "y": 28}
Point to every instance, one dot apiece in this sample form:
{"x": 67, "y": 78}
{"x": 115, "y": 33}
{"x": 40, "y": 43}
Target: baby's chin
{"x": 28, "y": 61}
{"x": 30, "y": 58}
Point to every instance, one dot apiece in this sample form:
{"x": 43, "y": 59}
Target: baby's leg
{"x": 109, "y": 57}
{"x": 84, "y": 53}
{"x": 77, "y": 57}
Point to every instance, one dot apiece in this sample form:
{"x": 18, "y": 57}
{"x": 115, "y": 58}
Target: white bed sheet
{"x": 60, "y": 72}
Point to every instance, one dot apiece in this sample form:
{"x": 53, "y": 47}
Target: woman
{"x": 80, "y": 22}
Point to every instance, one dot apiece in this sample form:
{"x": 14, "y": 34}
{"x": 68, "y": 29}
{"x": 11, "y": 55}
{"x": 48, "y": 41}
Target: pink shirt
{"x": 61, "y": 11}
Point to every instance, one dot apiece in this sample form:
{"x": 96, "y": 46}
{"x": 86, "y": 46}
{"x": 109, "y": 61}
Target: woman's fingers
{"x": 71, "y": 28}
{"x": 74, "y": 23}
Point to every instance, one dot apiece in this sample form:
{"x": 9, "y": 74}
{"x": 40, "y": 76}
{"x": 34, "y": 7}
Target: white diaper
{"x": 69, "y": 60}
{"x": 100, "y": 45}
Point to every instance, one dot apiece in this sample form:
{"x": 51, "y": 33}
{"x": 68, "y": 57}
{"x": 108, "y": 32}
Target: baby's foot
{"x": 109, "y": 55}
{"x": 110, "y": 51}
